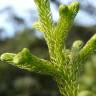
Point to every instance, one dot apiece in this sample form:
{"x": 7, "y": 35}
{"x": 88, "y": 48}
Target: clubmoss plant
{"x": 65, "y": 64}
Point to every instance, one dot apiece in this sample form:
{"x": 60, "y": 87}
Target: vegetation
{"x": 65, "y": 65}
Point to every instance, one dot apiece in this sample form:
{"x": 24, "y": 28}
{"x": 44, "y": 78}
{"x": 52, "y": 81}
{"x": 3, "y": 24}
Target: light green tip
{"x": 7, "y": 57}
{"x": 74, "y": 7}
{"x": 77, "y": 45}
{"x": 63, "y": 9}
{"x": 70, "y": 10}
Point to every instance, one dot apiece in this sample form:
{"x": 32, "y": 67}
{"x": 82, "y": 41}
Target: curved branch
{"x": 25, "y": 60}
{"x": 84, "y": 54}
{"x": 89, "y": 49}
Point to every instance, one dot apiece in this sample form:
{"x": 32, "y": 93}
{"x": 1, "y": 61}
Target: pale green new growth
{"x": 65, "y": 65}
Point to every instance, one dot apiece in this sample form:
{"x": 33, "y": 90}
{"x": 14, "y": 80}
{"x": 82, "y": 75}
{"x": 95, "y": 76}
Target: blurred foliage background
{"x": 16, "y": 19}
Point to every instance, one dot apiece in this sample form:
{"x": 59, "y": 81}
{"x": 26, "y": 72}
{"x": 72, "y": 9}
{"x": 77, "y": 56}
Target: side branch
{"x": 25, "y": 60}
{"x": 45, "y": 22}
{"x": 84, "y": 54}
{"x": 89, "y": 49}
{"x": 67, "y": 15}
{"x": 44, "y": 14}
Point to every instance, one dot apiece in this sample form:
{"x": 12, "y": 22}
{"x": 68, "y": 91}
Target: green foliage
{"x": 65, "y": 64}
{"x": 88, "y": 80}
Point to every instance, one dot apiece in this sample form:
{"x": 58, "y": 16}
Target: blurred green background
{"x": 16, "y": 19}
